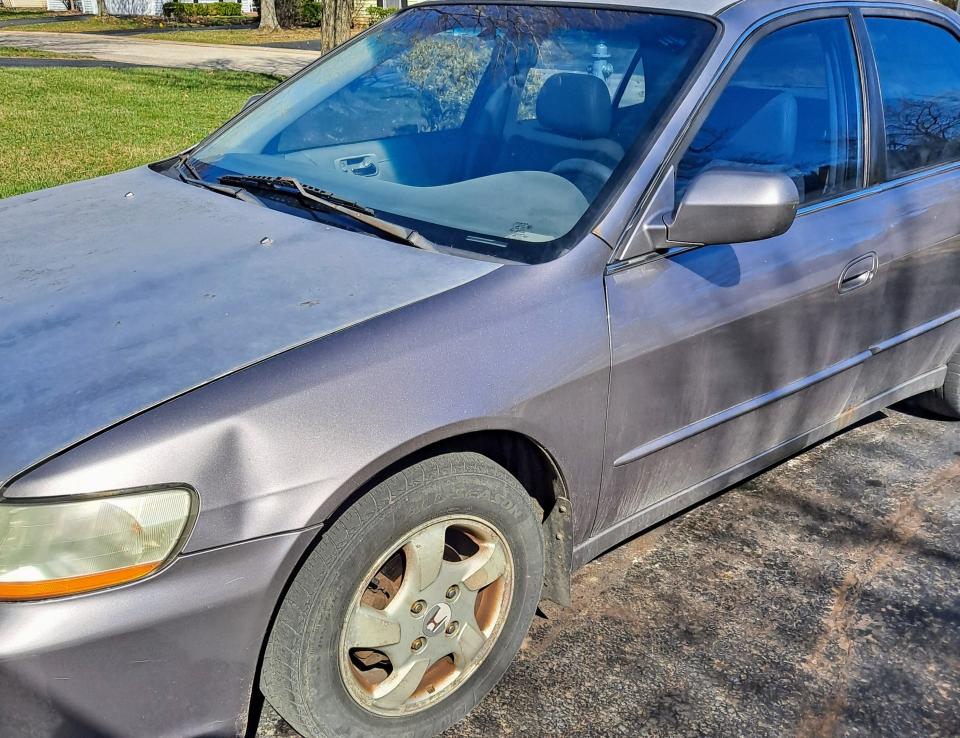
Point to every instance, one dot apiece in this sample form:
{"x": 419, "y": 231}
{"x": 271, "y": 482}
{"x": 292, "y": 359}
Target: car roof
{"x": 758, "y": 7}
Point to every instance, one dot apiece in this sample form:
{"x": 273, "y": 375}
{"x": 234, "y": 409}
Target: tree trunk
{"x": 335, "y": 23}
{"x": 268, "y": 15}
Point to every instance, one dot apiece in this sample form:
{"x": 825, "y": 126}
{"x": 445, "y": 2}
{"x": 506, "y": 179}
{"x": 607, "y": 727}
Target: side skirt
{"x": 649, "y": 516}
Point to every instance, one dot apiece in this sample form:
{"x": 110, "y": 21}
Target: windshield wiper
{"x": 195, "y": 179}
{"x": 315, "y": 197}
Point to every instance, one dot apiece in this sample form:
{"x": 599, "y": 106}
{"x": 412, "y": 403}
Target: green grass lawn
{"x": 241, "y": 36}
{"x": 95, "y": 24}
{"x": 60, "y": 125}
{"x": 12, "y": 51}
{"x": 98, "y": 24}
{"x": 251, "y": 36}
{"x": 11, "y": 14}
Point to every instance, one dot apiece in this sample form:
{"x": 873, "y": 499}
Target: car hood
{"x": 122, "y": 292}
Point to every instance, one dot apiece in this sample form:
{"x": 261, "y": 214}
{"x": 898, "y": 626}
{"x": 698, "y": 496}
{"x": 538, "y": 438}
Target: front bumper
{"x": 174, "y": 655}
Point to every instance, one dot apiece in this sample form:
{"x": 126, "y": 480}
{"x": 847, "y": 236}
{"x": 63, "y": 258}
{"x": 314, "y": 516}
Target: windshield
{"x": 490, "y": 129}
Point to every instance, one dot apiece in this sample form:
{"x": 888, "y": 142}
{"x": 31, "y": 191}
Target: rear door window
{"x": 919, "y": 67}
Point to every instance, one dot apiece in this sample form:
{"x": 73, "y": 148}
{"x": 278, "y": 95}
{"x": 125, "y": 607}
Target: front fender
{"x": 280, "y": 445}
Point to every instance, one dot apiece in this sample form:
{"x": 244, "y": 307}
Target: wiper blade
{"x": 195, "y": 179}
{"x": 183, "y": 162}
{"x": 288, "y": 184}
{"x": 315, "y": 197}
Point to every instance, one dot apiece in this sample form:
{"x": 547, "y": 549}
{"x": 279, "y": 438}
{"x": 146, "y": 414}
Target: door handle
{"x": 364, "y": 165}
{"x": 858, "y": 273}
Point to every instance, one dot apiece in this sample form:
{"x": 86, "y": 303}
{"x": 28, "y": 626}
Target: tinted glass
{"x": 792, "y": 106}
{"x": 608, "y": 58}
{"x": 489, "y": 129}
{"x": 635, "y": 90}
{"x": 919, "y": 66}
{"x": 424, "y": 88}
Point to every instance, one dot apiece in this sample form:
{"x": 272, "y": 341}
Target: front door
{"x": 721, "y": 353}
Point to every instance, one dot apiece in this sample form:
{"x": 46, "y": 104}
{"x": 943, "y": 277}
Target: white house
{"x": 25, "y": 4}
{"x": 86, "y": 6}
{"x": 122, "y": 7}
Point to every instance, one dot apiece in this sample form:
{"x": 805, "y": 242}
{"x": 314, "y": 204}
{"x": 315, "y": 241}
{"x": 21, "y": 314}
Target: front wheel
{"x": 411, "y": 607}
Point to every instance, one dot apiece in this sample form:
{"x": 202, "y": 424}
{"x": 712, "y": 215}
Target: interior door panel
{"x": 419, "y": 159}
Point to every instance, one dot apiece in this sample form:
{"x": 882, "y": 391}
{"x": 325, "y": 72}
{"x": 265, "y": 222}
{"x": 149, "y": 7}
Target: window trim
{"x": 916, "y": 15}
{"x": 874, "y": 142}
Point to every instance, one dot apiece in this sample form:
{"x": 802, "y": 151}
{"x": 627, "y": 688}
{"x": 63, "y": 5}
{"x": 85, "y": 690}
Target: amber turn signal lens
{"x": 73, "y": 585}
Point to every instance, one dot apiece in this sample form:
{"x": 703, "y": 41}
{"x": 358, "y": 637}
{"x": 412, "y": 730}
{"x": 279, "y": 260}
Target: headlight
{"x": 51, "y": 549}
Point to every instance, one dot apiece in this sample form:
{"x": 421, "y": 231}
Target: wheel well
{"x": 523, "y": 458}
{"x": 534, "y": 468}
{"x": 539, "y": 474}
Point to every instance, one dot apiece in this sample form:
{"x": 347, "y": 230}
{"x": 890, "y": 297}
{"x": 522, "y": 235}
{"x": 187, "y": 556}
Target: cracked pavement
{"x": 820, "y": 598}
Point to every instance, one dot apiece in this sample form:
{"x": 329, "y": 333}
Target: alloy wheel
{"x": 426, "y": 615}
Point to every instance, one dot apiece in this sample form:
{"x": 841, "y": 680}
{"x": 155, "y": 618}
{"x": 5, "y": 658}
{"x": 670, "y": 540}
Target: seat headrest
{"x": 575, "y": 105}
{"x": 769, "y": 135}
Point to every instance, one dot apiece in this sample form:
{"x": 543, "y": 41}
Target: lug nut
{"x": 453, "y": 628}
{"x": 452, "y": 592}
{"x": 418, "y": 644}
{"x": 417, "y": 607}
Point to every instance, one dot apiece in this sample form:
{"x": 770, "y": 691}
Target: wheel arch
{"x": 534, "y": 466}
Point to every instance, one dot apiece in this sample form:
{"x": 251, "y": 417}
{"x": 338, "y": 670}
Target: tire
{"x": 315, "y": 681}
{"x": 945, "y": 400}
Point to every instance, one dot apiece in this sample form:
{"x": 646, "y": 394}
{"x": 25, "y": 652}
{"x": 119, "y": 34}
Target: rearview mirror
{"x": 251, "y": 100}
{"x": 734, "y": 206}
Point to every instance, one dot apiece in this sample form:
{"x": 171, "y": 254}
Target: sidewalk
{"x": 262, "y": 59}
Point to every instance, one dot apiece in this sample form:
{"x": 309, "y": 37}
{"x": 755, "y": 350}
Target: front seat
{"x": 570, "y": 135}
{"x": 765, "y": 141}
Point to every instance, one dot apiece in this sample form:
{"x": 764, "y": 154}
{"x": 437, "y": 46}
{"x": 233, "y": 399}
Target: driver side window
{"x": 793, "y": 106}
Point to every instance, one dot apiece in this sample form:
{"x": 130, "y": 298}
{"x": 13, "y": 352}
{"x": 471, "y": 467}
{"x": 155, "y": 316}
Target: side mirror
{"x": 734, "y": 206}
{"x": 251, "y": 100}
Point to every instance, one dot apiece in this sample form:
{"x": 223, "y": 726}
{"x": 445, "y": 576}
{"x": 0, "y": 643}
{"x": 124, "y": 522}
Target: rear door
{"x": 918, "y": 199}
{"x": 723, "y": 352}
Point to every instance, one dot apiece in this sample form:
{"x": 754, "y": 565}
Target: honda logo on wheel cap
{"x": 437, "y": 618}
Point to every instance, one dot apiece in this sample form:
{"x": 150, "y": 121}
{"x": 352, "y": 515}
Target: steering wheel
{"x": 588, "y": 175}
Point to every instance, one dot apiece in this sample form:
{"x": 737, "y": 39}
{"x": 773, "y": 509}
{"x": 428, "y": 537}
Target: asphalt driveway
{"x": 821, "y": 598}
